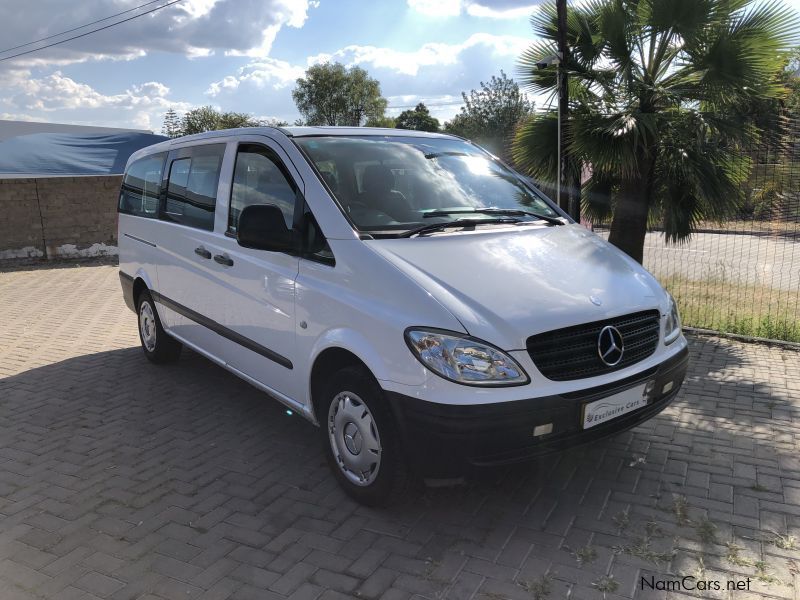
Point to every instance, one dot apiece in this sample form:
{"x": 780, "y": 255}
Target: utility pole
{"x": 569, "y": 202}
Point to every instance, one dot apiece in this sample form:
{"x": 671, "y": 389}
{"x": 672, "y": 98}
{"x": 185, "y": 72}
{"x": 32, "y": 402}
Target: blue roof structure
{"x": 52, "y": 154}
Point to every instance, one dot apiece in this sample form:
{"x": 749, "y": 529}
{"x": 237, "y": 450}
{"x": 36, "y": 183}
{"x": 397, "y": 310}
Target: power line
{"x": 50, "y": 37}
{"x": 75, "y": 37}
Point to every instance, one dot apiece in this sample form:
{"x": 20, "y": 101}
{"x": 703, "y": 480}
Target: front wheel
{"x": 157, "y": 345}
{"x": 360, "y": 438}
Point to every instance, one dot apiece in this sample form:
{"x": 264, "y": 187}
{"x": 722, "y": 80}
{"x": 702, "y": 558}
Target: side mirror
{"x": 262, "y": 227}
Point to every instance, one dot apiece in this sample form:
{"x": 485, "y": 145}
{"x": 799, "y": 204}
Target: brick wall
{"x": 58, "y": 217}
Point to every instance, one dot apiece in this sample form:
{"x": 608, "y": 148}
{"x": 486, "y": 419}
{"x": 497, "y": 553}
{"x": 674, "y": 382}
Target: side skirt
{"x": 294, "y": 405}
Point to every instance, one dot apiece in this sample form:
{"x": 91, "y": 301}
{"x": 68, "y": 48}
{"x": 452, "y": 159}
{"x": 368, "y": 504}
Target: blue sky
{"x": 245, "y": 55}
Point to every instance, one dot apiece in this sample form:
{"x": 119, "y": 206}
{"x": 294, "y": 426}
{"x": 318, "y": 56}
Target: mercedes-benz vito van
{"x": 421, "y": 302}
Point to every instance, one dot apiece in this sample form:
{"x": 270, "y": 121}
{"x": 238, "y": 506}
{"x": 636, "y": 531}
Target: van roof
{"x": 290, "y": 132}
{"x": 311, "y": 131}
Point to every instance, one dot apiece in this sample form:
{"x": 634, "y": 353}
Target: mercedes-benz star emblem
{"x": 610, "y": 345}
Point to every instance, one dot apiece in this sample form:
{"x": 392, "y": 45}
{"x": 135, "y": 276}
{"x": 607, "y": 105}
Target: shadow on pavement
{"x": 137, "y": 454}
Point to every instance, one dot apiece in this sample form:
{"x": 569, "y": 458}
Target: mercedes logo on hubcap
{"x": 352, "y": 438}
{"x": 609, "y": 345}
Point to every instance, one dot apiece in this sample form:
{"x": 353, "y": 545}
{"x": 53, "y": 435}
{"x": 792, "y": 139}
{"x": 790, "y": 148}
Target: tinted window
{"x": 141, "y": 186}
{"x": 260, "y": 178}
{"x": 192, "y": 188}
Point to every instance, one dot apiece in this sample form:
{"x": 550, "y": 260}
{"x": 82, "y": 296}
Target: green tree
{"x": 419, "y": 118}
{"x": 172, "y": 124}
{"x": 207, "y": 118}
{"x": 382, "y": 121}
{"x": 490, "y": 114}
{"x": 331, "y": 94}
{"x": 657, "y": 89}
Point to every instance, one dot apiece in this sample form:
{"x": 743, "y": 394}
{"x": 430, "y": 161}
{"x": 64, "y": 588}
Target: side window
{"x": 260, "y": 178}
{"x": 315, "y": 246}
{"x": 141, "y": 186}
{"x": 192, "y": 187}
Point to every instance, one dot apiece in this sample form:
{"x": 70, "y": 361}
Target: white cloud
{"x": 193, "y": 28}
{"x": 520, "y": 12}
{"x": 491, "y": 9}
{"x": 62, "y": 98}
{"x": 265, "y": 72}
{"x": 437, "y": 8}
{"x": 434, "y": 73}
{"x": 428, "y": 55}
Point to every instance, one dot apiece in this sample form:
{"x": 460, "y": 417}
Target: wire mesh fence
{"x": 742, "y": 275}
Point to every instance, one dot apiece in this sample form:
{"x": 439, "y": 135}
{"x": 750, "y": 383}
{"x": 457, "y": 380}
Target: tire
{"x": 158, "y": 346}
{"x": 360, "y": 439}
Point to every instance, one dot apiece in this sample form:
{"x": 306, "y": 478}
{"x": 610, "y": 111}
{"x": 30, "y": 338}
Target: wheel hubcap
{"x": 147, "y": 326}
{"x": 354, "y": 438}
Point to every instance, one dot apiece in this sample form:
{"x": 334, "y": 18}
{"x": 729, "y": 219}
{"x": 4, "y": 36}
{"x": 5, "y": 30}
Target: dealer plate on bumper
{"x": 614, "y": 406}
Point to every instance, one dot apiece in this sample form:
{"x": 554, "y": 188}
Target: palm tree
{"x": 661, "y": 95}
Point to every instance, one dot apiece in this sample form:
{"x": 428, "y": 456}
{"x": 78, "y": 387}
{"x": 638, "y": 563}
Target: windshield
{"x": 394, "y": 183}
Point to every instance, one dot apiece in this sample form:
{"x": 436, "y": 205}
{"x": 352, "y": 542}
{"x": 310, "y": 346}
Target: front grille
{"x": 571, "y": 353}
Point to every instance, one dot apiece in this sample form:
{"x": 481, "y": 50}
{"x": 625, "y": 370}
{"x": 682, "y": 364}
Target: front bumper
{"x": 443, "y": 440}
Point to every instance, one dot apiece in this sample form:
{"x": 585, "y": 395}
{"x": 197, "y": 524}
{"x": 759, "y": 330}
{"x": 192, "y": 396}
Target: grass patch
{"x": 707, "y": 532}
{"x": 739, "y": 308}
{"x": 762, "y": 573}
{"x": 680, "y": 508}
{"x": 621, "y": 520}
{"x": 539, "y": 589}
{"x": 606, "y": 585}
{"x": 585, "y": 555}
{"x": 641, "y": 549}
{"x": 734, "y": 557}
{"x": 785, "y": 542}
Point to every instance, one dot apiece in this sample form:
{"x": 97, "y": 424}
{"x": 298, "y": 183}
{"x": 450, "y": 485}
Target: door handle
{"x": 224, "y": 259}
{"x": 202, "y": 252}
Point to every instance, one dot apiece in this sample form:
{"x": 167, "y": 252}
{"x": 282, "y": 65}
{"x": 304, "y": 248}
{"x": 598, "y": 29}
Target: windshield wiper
{"x": 431, "y": 227}
{"x": 494, "y": 210}
{"x": 431, "y": 155}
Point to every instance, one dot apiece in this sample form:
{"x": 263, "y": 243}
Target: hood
{"x": 507, "y": 284}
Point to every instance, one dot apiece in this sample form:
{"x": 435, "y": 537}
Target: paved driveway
{"x": 123, "y": 480}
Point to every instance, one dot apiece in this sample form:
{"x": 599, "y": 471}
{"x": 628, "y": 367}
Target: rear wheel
{"x": 360, "y": 438}
{"x": 157, "y": 345}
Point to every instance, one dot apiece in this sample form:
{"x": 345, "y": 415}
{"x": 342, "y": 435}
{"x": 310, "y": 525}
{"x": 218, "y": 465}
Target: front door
{"x": 254, "y": 290}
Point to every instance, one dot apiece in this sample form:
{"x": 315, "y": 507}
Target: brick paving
{"x": 123, "y": 480}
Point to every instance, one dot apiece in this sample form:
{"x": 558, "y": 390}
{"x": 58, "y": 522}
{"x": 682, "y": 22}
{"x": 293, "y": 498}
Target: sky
{"x": 245, "y": 55}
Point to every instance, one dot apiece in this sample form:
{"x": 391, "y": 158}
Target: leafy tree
{"x": 657, "y": 89}
{"x": 419, "y": 118}
{"x": 207, "y": 118}
{"x": 382, "y": 121}
{"x": 172, "y": 124}
{"x": 490, "y": 114}
{"x": 331, "y": 94}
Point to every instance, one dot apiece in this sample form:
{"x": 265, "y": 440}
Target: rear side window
{"x": 141, "y": 186}
{"x": 192, "y": 187}
{"x": 260, "y": 178}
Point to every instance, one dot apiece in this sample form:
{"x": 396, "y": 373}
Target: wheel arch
{"x": 326, "y": 363}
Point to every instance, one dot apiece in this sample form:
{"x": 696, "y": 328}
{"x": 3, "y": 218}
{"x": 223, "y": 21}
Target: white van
{"x": 407, "y": 292}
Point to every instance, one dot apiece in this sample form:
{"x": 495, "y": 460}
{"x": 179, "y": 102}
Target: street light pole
{"x": 558, "y": 145}
{"x": 571, "y": 204}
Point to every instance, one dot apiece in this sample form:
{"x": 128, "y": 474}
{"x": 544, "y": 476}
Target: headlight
{"x": 463, "y": 359}
{"x": 672, "y": 325}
